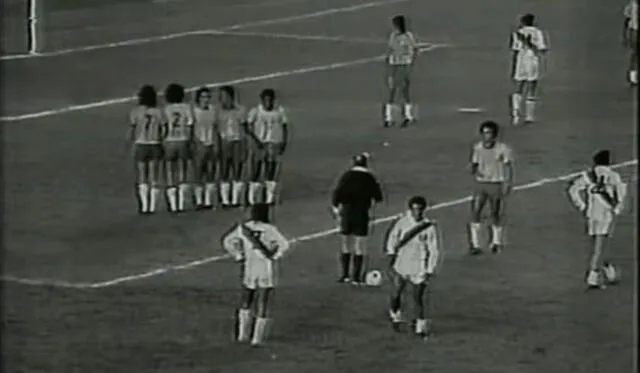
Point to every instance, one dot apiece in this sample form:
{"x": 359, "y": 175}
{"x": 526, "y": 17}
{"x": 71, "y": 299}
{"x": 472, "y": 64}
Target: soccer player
{"x": 146, "y": 122}
{"x": 493, "y": 170}
{"x": 207, "y": 149}
{"x": 401, "y": 57}
{"x": 529, "y": 45}
{"x": 599, "y": 193}
{"x": 413, "y": 248}
{"x": 352, "y": 202}
{"x": 178, "y": 136}
{"x": 257, "y": 245}
{"x": 231, "y": 120}
{"x": 631, "y": 38}
{"x": 268, "y": 126}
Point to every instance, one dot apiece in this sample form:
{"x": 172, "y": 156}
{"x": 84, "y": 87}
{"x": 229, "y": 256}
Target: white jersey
{"x": 268, "y": 125}
{"x": 527, "y": 43}
{"x": 204, "y": 125}
{"x": 599, "y": 192}
{"x": 415, "y": 244}
{"x": 631, "y": 13}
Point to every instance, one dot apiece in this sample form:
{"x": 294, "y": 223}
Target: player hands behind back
{"x": 146, "y": 122}
{"x": 528, "y": 45}
{"x": 413, "y": 248}
{"x": 207, "y": 150}
{"x": 257, "y": 245}
{"x": 401, "y": 57}
{"x": 631, "y": 38}
{"x": 231, "y": 119}
{"x": 599, "y": 193}
{"x": 268, "y": 129}
{"x": 178, "y": 135}
{"x": 493, "y": 171}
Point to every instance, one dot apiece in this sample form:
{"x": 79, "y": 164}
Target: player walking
{"x": 529, "y": 45}
{"x": 401, "y": 57}
{"x": 631, "y": 38}
{"x": 146, "y": 122}
{"x": 207, "y": 149}
{"x": 413, "y": 247}
{"x": 604, "y": 196}
{"x": 493, "y": 171}
{"x": 268, "y": 128}
{"x": 257, "y": 245}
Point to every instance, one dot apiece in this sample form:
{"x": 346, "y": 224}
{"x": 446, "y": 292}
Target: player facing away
{"x": 231, "y": 120}
{"x": 178, "y": 136}
{"x": 207, "y": 150}
{"x": 528, "y": 46}
{"x": 268, "y": 127}
{"x": 599, "y": 193}
{"x": 492, "y": 166}
{"x": 631, "y": 38}
{"x": 146, "y": 122}
{"x": 413, "y": 246}
{"x": 257, "y": 245}
{"x": 401, "y": 57}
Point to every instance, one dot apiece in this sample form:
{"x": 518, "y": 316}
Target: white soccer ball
{"x": 611, "y": 273}
{"x": 373, "y": 278}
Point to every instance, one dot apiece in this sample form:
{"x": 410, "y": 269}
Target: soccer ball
{"x": 611, "y": 273}
{"x": 373, "y": 278}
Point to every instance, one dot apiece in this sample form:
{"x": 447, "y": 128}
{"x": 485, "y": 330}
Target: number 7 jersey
{"x": 147, "y": 123}
{"x": 179, "y": 119}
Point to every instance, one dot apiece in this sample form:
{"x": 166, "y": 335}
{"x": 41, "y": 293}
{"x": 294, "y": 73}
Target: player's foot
{"x": 594, "y": 281}
{"x": 344, "y": 280}
{"x": 515, "y": 120}
{"x": 387, "y": 124}
{"x": 357, "y": 282}
{"x": 528, "y": 121}
{"x": 496, "y": 249}
{"x": 474, "y": 251}
{"x": 396, "y": 326}
{"x": 407, "y": 122}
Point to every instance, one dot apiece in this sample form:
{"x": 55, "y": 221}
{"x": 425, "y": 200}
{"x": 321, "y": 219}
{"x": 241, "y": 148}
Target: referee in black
{"x": 357, "y": 192}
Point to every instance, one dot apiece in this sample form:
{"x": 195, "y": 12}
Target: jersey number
{"x": 148, "y": 119}
{"x": 176, "y": 123}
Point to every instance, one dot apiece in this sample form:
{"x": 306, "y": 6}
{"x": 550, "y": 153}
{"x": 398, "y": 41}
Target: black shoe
{"x": 475, "y": 251}
{"x": 344, "y": 280}
{"x": 496, "y": 249}
{"x": 387, "y": 124}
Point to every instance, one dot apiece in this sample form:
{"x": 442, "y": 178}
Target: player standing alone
{"x": 529, "y": 45}
{"x": 401, "y": 57}
{"x": 268, "y": 125}
{"x": 257, "y": 245}
{"x": 146, "y": 122}
{"x": 631, "y": 38}
{"x": 492, "y": 168}
{"x": 604, "y": 197}
{"x": 207, "y": 149}
{"x": 413, "y": 248}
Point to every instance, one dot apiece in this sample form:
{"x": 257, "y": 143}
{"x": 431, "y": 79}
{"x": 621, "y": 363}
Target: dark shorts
{"x": 354, "y": 222}
{"x": 269, "y": 152}
{"x": 633, "y": 41}
{"x": 492, "y": 191}
{"x": 177, "y": 151}
{"x": 147, "y": 152}
{"x": 233, "y": 150}
{"x": 204, "y": 152}
{"x": 399, "y": 76}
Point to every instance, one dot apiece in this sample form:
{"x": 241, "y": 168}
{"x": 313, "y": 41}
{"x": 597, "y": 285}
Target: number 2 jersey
{"x": 603, "y": 190}
{"x": 180, "y": 120}
{"x": 147, "y": 123}
{"x": 268, "y": 125}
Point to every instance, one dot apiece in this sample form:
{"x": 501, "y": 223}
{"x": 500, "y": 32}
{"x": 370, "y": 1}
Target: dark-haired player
{"x": 493, "y": 171}
{"x": 631, "y": 38}
{"x": 528, "y": 44}
{"x": 599, "y": 194}
{"x": 268, "y": 127}
{"x": 401, "y": 57}
{"x": 231, "y": 120}
{"x": 178, "y": 135}
{"x": 146, "y": 122}
{"x": 206, "y": 144}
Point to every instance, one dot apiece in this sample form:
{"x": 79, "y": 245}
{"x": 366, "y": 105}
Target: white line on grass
{"x": 177, "y": 35}
{"x": 309, "y": 237}
{"x": 278, "y": 74}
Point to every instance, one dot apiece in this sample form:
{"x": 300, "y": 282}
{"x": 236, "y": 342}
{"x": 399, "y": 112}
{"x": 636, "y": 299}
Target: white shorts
{"x": 413, "y": 276}
{"x": 526, "y": 70}
{"x": 599, "y": 227}
{"x": 259, "y": 278}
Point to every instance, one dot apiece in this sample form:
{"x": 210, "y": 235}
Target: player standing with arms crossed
{"x": 146, "y": 122}
{"x": 231, "y": 120}
{"x": 413, "y": 247}
{"x": 268, "y": 126}
{"x": 257, "y": 245}
{"x": 529, "y": 45}
{"x": 493, "y": 170}
{"x": 401, "y": 58}
{"x": 178, "y": 137}
{"x": 207, "y": 149}
{"x": 631, "y": 38}
{"x": 604, "y": 196}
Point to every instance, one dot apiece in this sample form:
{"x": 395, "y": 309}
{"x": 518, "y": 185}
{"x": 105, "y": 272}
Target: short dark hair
{"x": 260, "y": 212}
{"x": 268, "y": 92}
{"x": 400, "y": 22}
{"x": 147, "y": 96}
{"x": 490, "y": 125}
{"x": 174, "y": 93}
{"x": 528, "y": 19}
{"x": 229, "y": 90}
{"x": 202, "y": 91}
{"x": 361, "y": 160}
{"x": 417, "y": 200}
{"x": 602, "y": 158}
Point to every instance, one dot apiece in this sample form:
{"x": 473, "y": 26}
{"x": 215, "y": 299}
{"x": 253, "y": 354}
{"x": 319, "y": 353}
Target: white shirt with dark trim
{"x": 422, "y": 252}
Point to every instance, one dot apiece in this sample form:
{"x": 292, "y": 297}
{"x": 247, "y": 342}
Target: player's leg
{"x": 346, "y": 249}
{"x": 170, "y": 172}
{"x": 405, "y": 92}
{"x": 255, "y": 170}
{"x": 633, "y": 59}
{"x": 531, "y": 90}
{"x": 239, "y": 162}
{"x": 478, "y": 202}
{"x": 142, "y": 181}
{"x": 244, "y": 321}
{"x": 212, "y": 160}
{"x": 398, "y": 284}
{"x": 183, "y": 163}
{"x": 517, "y": 97}
{"x": 226, "y": 170}
{"x": 263, "y": 317}
{"x": 391, "y": 95}
{"x": 200, "y": 169}
{"x": 598, "y": 230}
{"x": 361, "y": 231}
{"x": 420, "y": 292}
{"x": 272, "y": 172}
{"x": 154, "y": 177}
{"x": 497, "y": 207}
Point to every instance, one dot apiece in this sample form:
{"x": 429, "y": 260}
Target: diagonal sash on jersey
{"x": 526, "y": 40}
{"x": 410, "y": 234}
{"x": 253, "y": 236}
{"x": 600, "y": 190}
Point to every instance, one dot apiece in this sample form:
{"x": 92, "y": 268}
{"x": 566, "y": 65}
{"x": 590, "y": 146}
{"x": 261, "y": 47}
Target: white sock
{"x": 209, "y": 192}
{"x": 421, "y": 326}
{"x": 172, "y": 198}
{"x": 254, "y": 190}
{"x": 388, "y": 112}
{"x": 270, "y": 191}
{"x": 237, "y": 193}
{"x": 633, "y": 76}
{"x": 198, "y": 192}
{"x": 474, "y": 233}
{"x": 225, "y": 189}
{"x": 153, "y": 198}
{"x": 529, "y": 108}
{"x": 408, "y": 111}
{"x": 497, "y": 235}
{"x": 395, "y": 316}
{"x": 244, "y": 324}
{"x": 259, "y": 331}
{"x": 143, "y": 195}
{"x": 183, "y": 190}
{"x": 610, "y": 273}
{"x": 516, "y": 103}
{"x": 593, "y": 278}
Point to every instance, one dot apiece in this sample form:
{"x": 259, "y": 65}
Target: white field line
{"x": 278, "y": 74}
{"x": 177, "y": 35}
{"x": 297, "y": 240}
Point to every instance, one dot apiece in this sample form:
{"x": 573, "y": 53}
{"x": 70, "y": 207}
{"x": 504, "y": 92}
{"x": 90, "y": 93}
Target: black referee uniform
{"x": 356, "y": 192}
